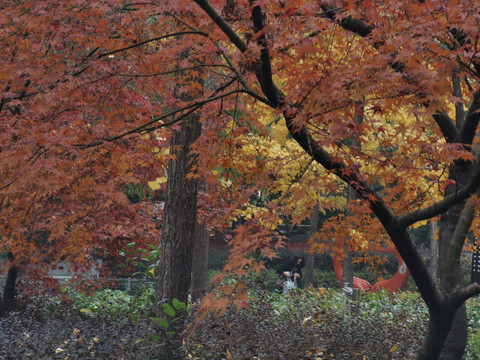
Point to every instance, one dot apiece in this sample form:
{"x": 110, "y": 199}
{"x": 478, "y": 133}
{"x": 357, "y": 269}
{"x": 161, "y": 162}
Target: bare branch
{"x": 463, "y": 294}
{"x": 264, "y": 73}
{"x": 471, "y": 120}
{"x": 443, "y": 205}
{"x": 446, "y": 125}
{"x": 222, "y": 24}
{"x": 151, "y": 125}
{"x": 151, "y": 40}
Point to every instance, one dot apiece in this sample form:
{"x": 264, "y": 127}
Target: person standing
{"x": 291, "y": 273}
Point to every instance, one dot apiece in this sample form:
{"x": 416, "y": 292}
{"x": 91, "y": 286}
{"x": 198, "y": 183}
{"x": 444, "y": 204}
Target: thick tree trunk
{"x": 449, "y": 270}
{"x": 310, "y": 263}
{"x": 456, "y": 341}
{"x": 180, "y": 217}
{"x": 9, "y": 289}
{"x": 438, "y": 329}
{"x": 200, "y": 262}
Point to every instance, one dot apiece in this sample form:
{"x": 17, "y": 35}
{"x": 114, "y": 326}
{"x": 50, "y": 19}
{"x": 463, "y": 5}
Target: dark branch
{"x": 471, "y": 121}
{"x": 223, "y": 25}
{"x": 446, "y": 125}
{"x": 348, "y": 23}
{"x": 151, "y": 40}
{"x": 441, "y": 206}
{"x": 264, "y": 73}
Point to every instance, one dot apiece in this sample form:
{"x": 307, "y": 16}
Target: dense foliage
{"x": 112, "y": 324}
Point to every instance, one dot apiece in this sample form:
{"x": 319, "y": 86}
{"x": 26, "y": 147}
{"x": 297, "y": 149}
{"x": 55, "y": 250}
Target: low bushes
{"x": 314, "y": 324}
{"x": 308, "y": 324}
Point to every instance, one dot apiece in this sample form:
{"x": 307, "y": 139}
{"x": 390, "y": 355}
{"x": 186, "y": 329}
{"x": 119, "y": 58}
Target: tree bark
{"x": 200, "y": 262}
{"x": 9, "y": 288}
{"x": 180, "y": 217}
{"x": 347, "y": 276}
{"x": 449, "y": 270}
{"x": 438, "y": 329}
{"x": 433, "y": 266}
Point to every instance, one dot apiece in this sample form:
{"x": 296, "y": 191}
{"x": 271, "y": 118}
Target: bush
{"x": 39, "y": 330}
{"x": 324, "y": 279}
{"x": 112, "y": 305}
{"x": 312, "y": 324}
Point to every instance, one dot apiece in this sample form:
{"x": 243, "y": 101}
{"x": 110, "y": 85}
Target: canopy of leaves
{"x": 89, "y": 96}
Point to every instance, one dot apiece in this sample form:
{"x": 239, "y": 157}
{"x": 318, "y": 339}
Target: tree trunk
{"x": 200, "y": 262}
{"x": 449, "y": 270}
{"x": 456, "y": 341}
{"x": 438, "y": 329}
{"x": 347, "y": 277}
{"x": 9, "y": 288}
{"x": 433, "y": 266}
{"x": 310, "y": 263}
{"x": 180, "y": 217}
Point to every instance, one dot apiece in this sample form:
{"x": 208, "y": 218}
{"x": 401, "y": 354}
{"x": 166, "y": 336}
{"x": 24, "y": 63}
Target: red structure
{"x": 396, "y": 283}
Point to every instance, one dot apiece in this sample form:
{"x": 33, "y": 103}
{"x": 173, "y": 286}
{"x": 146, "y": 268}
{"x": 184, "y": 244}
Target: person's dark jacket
{"x": 293, "y": 268}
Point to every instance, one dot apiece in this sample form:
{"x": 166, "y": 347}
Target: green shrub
{"x": 473, "y": 343}
{"x": 113, "y": 305}
{"x": 311, "y": 324}
{"x": 325, "y": 279}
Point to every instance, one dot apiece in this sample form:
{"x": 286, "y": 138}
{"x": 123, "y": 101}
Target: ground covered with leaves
{"x": 33, "y": 332}
{"x": 319, "y": 324}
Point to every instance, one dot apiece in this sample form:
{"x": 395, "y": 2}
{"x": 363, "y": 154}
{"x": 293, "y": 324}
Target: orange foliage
{"x": 88, "y": 91}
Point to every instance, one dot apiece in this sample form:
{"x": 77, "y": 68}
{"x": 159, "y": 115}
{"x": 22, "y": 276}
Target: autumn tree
{"x": 396, "y": 56}
{"x": 97, "y": 81}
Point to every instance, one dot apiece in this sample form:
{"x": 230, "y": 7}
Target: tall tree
{"x": 97, "y": 82}
{"x": 181, "y": 203}
{"x": 431, "y": 41}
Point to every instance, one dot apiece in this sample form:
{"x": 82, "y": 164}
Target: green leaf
{"x": 132, "y": 244}
{"x": 154, "y": 337}
{"x": 141, "y": 265}
{"x": 162, "y": 322}
{"x": 179, "y": 305}
{"x": 169, "y": 310}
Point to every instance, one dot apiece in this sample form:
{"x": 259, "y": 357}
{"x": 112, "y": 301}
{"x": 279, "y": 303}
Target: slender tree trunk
{"x": 347, "y": 276}
{"x": 310, "y": 263}
{"x": 180, "y": 210}
{"x": 433, "y": 268}
{"x": 200, "y": 262}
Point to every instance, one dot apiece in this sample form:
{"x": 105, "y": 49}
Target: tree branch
{"x": 457, "y": 92}
{"x": 348, "y": 23}
{"x": 151, "y": 40}
{"x": 472, "y": 118}
{"x": 463, "y": 294}
{"x": 264, "y": 73}
{"x": 443, "y": 205}
{"x": 458, "y": 239}
{"x": 446, "y": 125}
{"x": 222, "y": 24}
